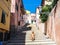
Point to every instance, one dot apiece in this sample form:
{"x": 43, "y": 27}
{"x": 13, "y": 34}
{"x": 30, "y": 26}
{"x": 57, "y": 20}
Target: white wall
{"x": 42, "y": 27}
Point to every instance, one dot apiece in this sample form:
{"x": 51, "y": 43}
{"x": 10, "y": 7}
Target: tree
{"x": 54, "y": 3}
{"x": 45, "y": 12}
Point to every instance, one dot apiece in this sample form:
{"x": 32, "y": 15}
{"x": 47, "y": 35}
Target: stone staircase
{"x": 29, "y": 42}
{"x": 22, "y": 37}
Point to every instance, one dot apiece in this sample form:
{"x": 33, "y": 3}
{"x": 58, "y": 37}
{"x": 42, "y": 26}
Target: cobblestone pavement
{"x": 22, "y": 37}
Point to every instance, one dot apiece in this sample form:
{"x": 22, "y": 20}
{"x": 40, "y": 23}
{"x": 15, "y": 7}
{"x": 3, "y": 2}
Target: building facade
{"x": 11, "y": 16}
{"x": 53, "y": 24}
{"x": 46, "y": 2}
{"x": 17, "y": 13}
{"x": 4, "y": 19}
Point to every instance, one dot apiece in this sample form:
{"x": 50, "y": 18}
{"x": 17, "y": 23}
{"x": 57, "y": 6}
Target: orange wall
{"x": 5, "y": 7}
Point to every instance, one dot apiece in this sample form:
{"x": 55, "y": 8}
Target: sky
{"x": 31, "y": 5}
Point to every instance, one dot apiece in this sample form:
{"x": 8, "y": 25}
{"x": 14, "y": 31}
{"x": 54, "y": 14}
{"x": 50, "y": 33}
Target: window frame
{"x": 3, "y": 17}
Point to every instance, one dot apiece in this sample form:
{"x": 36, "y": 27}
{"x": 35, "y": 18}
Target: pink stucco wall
{"x": 57, "y": 23}
{"x": 53, "y": 24}
{"x": 50, "y": 25}
{"x": 14, "y": 16}
{"x": 17, "y": 15}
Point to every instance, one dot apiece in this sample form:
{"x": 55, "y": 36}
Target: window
{"x": 16, "y": 7}
{"x": 49, "y": 0}
{"x": 21, "y": 6}
{"x": 18, "y": 0}
{"x": 22, "y": 17}
{"x": 3, "y": 17}
{"x": 6, "y": 0}
{"x": 19, "y": 23}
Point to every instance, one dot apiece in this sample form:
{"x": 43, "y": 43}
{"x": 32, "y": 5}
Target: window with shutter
{"x": 3, "y": 17}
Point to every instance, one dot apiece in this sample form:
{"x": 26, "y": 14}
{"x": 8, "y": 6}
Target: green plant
{"x": 49, "y": 7}
{"x": 45, "y": 12}
{"x": 43, "y": 18}
{"x": 54, "y": 3}
{"x": 45, "y": 9}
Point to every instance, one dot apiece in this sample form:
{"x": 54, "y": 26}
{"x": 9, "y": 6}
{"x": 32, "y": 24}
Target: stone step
{"x": 22, "y": 41}
{"x": 22, "y": 37}
{"x": 33, "y": 43}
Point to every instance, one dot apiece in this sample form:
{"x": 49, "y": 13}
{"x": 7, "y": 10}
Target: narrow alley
{"x": 22, "y": 37}
{"x": 29, "y": 22}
